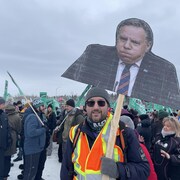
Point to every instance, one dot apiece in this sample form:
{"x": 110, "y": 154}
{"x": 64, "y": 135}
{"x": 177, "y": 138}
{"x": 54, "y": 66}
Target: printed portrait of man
{"x": 129, "y": 67}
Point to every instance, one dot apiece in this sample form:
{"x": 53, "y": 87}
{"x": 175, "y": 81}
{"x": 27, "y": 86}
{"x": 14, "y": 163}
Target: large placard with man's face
{"x": 155, "y": 78}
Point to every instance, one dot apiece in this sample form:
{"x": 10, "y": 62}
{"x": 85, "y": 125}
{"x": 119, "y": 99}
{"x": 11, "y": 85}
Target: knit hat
{"x": 127, "y": 121}
{"x": 10, "y": 108}
{"x": 70, "y": 102}
{"x": 97, "y": 92}
{"x": 143, "y": 116}
{"x": 125, "y": 112}
{"x": 50, "y": 105}
{"x": 37, "y": 102}
{"x": 162, "y": 114}
{"x": 2, "y": 101}
{"x": 19, "y": 103}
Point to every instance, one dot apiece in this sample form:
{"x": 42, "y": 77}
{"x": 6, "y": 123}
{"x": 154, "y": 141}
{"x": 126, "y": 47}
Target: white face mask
{"x": 166, "y": 133}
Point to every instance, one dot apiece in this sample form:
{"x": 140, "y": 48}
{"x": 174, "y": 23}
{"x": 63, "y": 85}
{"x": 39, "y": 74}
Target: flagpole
{"x": 6, "y": 90}
{"x": 26, "y": 99}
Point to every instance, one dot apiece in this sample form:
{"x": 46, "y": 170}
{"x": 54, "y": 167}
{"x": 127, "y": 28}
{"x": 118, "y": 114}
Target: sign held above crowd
{"x": 151, "y": 78}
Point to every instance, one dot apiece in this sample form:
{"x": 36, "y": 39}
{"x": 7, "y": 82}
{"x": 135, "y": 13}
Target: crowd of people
{"x": 29, "y": 128}
{"x": 147, "y": 146}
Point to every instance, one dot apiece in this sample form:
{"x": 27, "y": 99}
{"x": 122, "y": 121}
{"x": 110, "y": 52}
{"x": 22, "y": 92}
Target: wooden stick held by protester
{"x": 20, "y": 91}
{"x": 114, "y": 127}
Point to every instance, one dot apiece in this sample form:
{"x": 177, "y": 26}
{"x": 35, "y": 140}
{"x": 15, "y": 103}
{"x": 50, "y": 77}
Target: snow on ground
{"x": 51, "y": 170}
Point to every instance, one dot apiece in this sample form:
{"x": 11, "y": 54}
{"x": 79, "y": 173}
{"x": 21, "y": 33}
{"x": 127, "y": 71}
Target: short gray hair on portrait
{"x": 136, "y": 23}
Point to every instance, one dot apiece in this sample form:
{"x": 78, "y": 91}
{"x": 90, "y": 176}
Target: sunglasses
{"x": 100, "y": 103}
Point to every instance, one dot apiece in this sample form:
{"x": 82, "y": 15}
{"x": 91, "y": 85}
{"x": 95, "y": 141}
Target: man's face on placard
{"x": 132, "y": 44}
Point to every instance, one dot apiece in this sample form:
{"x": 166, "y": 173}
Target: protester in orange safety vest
{"x": 85, "y": 159}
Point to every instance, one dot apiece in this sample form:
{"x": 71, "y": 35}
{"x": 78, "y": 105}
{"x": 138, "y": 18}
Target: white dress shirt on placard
{"x": 133, "y": 73}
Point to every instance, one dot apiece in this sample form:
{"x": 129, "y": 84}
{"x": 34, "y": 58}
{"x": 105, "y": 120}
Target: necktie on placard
{"x": 124, "y": 80}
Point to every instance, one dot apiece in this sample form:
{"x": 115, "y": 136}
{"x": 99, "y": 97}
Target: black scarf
{"x": 96, "y": 126}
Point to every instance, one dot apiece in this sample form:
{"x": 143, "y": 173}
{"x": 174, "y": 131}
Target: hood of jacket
{"x": 146, "y": 123}
{"x": 27, "y": 112}
{"x": 10, "y": 109}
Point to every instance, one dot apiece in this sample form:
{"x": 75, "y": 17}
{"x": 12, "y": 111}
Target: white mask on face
{"x": 166, "y": 133}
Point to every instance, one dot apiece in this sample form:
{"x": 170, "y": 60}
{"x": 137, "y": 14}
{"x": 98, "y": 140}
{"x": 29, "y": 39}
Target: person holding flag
{"x": 34, "y": 139}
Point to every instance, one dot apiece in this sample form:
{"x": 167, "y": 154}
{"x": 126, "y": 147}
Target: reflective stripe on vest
{"x": 87, "y": 161}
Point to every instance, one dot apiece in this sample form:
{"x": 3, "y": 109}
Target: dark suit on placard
{"x": 96, "y": 66}
{"x": 156, "y": 80}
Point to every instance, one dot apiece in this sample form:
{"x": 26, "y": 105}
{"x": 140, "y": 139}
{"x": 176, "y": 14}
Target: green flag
{"x": 137, "y": 105}
{"x": 20, "y": 92}
{"x": 80, "y": 99}
{"x": 6, "y": 90}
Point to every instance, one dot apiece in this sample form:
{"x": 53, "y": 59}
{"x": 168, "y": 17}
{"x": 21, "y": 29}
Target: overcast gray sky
{"x": 40, "y": 39}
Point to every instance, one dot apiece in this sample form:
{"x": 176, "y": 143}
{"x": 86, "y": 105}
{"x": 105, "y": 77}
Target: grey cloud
{"x": 39, "y": 40}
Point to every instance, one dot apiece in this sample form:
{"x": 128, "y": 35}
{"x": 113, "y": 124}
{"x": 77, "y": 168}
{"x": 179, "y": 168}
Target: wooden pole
{"x": 114, "y": 127}
{"x": 25, "y": 98}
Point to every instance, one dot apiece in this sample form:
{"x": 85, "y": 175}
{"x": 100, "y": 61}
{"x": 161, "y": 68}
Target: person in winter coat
{"x": 58, "y": 131}
{"x": 51, "y": 118}
{"x": 21, "y": 141}
{"x": 3, "y": 136}
{"x": 14, "y": 121}
{"x": 74, "y": 117}
{"x": 34, "y": 139}
{"x": 129, "y": 123}
{"x": 166, "y": 154}
{"x": 20, "y": 136}
{"x": 157, "y": 125}
{"x": 144, "y": 129}
{"x": 86, "y": 159}
{"x": 43, "y": 154}
{"x": 51, "y": 123}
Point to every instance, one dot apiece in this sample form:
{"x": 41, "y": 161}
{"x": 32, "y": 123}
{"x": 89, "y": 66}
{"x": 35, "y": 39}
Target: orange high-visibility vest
{"x": 87, "y": 161}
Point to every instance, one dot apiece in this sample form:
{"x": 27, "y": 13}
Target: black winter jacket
{"x": 167, "y": 168}
{"x": 3, "y": 130}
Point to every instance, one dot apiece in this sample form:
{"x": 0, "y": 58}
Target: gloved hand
{"x": 109, "y": 167}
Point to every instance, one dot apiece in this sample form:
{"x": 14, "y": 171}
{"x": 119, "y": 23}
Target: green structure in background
{"x": 137, "y": 105}
{"x": 133, "y": 103}
{"x": 44, "y": 98}
{"x": 143, "y": 107}
{"x": 47, "y": 101}
{"x": 6, "y": 95}
{"x": 6, "y": 91}
{"x": 80, "y": 100}
{"x": 20, "y": 91}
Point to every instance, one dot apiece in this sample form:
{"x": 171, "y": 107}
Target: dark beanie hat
{"x": 97, "y": 92}
{"x": 143, "y": 117}
{"x": 2, "y": 101}
{"x": 162, "y": 114}
{"x": 19, "y": 103}
{"x": 50, "y": 105}
{"x": 70, "y": 102}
